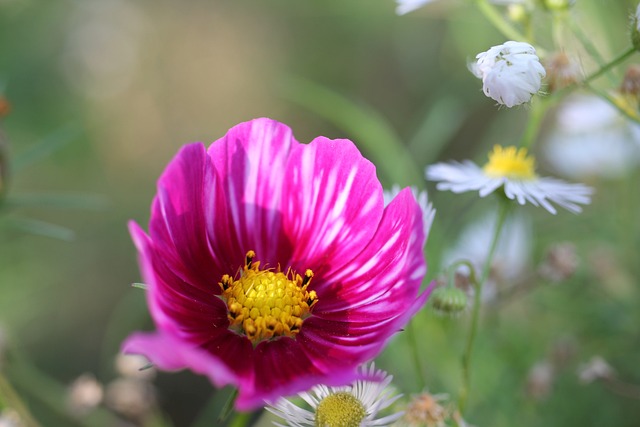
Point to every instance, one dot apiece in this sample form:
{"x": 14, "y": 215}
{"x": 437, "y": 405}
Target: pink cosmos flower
{"x": 274, "y": 266}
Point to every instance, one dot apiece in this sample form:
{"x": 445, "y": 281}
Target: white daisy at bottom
{"x": 355, "y": 405}
{"x": 513, "y": 170}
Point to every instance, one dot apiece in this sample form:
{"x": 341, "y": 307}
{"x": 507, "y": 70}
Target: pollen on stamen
{"x": 266, "y": 303}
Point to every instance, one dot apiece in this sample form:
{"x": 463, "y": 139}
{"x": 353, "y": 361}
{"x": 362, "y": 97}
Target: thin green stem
{"x": 537, "y": 112}
{"x": 9, "y": 398}
{"x": 591, "y": 77}
{"x": 228, "y": 406}
{"x": 612, "y": 64}
{"x": 475, "y": 315}
{"x": 415, "y": 354}
{"x": 586, "y": 42}
{"x": 631, "y": 114}
{"x": 502, "y": 25}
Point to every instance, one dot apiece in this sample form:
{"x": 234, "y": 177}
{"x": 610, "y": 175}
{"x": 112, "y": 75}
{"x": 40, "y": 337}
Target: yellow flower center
{"x": 340, "y": 409}
{"x": 510, "y": 162}
{"x": 265, "y": 304}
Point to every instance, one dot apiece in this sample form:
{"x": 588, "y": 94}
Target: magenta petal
{"x": 250, "y": 162}
{"x": 384, "y": 279}
{"x": 172, "y": 354}
{"x": 332, "y": 204}
{"x": 316, "y": 206}
{"x": 178, "y": 223}
{"x": 176, "y": 306}
{"x": 283, "y": 369}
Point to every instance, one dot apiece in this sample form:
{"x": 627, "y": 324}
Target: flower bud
{"x": 5, "y": 107}
{"x": 448, "y": 300}
{"x": 511, "y": 73}
{"x": 85, "y": 394}
{"x": 595, "y": 369}
{"x": 558, "y": 5}
{"x": 630, "y": 86}
{"x": 635, "y": 29}
{"x": 561, "y": 71}
{"x": 426, "y": 410}
{"x": 518, "y": 13}
{"x": 540, "y": 380}
{"x": 560, "y": 264}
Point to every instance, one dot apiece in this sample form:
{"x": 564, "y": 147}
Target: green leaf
{"x": 40, "y": 228}
{"x": 62, "y": 201}
{"x": 49, "y": 145}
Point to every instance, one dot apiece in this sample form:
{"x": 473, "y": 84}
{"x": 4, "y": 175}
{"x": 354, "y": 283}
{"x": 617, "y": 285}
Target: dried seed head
{"x": 560, "y": 263}
{"x": 85, "y": 393}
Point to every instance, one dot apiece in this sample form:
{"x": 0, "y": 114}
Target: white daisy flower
{"x": 511, "y": 73}
{"x": 406, "y": 6}
{"x": 591, "y": 138}
{"x": 512, "y": 170}
{"x": 356, "y": 405}
{"x": 428, "y": 212}
{"x": 512, "y": 255}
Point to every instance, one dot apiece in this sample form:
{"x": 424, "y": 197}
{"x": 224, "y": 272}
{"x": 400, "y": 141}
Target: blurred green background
{"x": 104, "y": 92}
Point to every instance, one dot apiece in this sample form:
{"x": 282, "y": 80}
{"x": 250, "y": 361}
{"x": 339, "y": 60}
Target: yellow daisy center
{"x": 340, "y": 409}
{"x": 510, "y": 162}
{"x": 265, "y": 304}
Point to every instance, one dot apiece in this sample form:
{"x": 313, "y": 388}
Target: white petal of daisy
{"x": 428, "y": 212}
{"x": 591, "y": 138}
{"x": 354, "y": 405}
{"x": 512, "y": 170}
{"x": 406, "y": 6}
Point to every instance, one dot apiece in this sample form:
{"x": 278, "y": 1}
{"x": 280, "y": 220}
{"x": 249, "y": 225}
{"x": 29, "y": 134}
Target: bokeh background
{"x": 104, "y": 92}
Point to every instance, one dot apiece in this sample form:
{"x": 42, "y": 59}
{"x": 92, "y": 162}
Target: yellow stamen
{"x": 340, "y": 409}
{"x": 264, "y": 304}
{"x": 510, "y": 162}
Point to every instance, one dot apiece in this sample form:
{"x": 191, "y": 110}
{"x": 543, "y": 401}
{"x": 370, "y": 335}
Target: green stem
{"x": 502, "y": 25}
{"x": 415, "y": 354}
{"x": 612, "y": 64}
{"x": 530, "y": 134}
{"x": 630, "y": 114}
{"x": 475, "y": 315}
{"x": 10, "y": 399}
{"x": 586, "y": 42}
{"x": 591, "y": 77}
{"x": 228, "y": 406}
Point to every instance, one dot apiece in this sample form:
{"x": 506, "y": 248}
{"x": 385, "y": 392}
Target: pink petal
{"x": 384, "y": 279}
{"x": 170, "y": 353}
{"x": 250, "y": 162}
{"x": 332, "y": 204}
{"x": 178, "y": 225}
{"x": 175, "y": 305}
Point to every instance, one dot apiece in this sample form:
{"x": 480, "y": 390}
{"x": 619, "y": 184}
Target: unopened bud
{"x": 425, "y": 410}
{"x": 448, "y": 300}
{"x": 558, "y": 5}
{"x": 595, "y": 369}
{"x": 540, "y": 380}
{"x": 85, "y": 393}
{"x": 134, "y": 366}
{"x": 560, "y": 264}
{"x": 10, "y": 418}
{"x": 518, "y": 13}
{"x": 561, "y": 71}
{"x": 635, "y": 29}
{"x": 630, "y": 86}
{"x": 5, "y": 106}
{"x": 132, "y": 398}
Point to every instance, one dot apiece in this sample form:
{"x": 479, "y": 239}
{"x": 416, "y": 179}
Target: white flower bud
{"x": 511, "y": 73}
